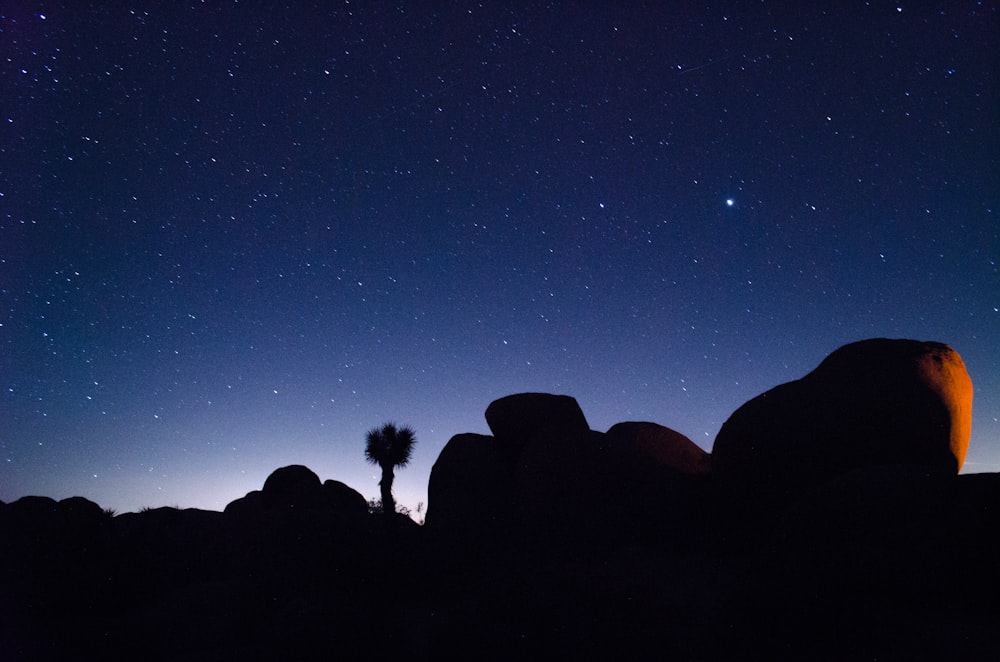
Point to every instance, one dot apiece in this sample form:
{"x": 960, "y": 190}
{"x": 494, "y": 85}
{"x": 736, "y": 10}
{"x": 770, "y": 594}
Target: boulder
{"x": 56, "y": 569}
{"x": 470, "y": 489}
{"x": 869, "y": 403}
{"x": 639, "y": 483}
{"x": 164, "y": 547}
{"x": 85, "y": 524}
{"x": 294, "y": 486}
{"x": 661, "y": 479}
{"x": 655, "y": 446}
{"x": 44, "y": 525}
{"x": 28, "y": 507}
{"x": 339, "y": 497}
{"x": 250, "y": 503}
{"x": 82, "y": 509}
{"x": 561, "y": 488}
{"x": 515, "y": 418}
{"x": 32, "y": 524}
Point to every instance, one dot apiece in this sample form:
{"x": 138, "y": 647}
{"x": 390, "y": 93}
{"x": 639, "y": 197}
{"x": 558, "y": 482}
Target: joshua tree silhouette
{"x": 389, "y": 447}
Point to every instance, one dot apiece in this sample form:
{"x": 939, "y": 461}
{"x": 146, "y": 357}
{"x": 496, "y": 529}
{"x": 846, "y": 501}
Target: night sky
{"x": 237, "y": 235}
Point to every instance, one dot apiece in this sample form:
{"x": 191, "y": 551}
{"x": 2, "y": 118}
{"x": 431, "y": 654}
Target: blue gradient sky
{"x": 234, "y": 237}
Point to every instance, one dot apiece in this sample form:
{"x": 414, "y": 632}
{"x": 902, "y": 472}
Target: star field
{"x": 236, "y": 237}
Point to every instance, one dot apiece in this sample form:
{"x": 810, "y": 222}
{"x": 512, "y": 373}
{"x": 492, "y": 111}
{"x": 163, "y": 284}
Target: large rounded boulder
{"x": 339, "y": 497}
{"x": 469, "y": 491}
{"x": 294, "y": 486}
{"x": 660, "y": 478}
{"x": 656, "y": 446}
{"x": 515, "y": 419}
{"x": 869, "y": 403}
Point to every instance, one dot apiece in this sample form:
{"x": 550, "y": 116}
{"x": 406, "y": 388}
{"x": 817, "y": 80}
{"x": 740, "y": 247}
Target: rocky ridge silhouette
{"x": 829, "y": 522}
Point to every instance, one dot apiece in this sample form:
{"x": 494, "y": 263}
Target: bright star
{"x": 730, "y": 202}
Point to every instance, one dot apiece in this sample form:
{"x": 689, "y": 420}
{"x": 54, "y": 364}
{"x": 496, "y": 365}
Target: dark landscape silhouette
{"x": 829, "y": 522}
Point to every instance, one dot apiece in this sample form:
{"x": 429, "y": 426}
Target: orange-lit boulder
{"x": 874, "y": 402}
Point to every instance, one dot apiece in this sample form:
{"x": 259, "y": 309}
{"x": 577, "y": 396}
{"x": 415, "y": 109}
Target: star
{"x": 730, "y": 202}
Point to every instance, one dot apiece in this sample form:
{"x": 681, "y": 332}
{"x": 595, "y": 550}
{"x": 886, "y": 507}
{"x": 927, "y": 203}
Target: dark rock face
{"x": 50, "y": 527}
{"x": 662, "y": 478}
{"x": 547, "y": 477}
{"x": 659, "y": 446}
{"x": 869, "y": 403}
{"x": 32, "y": 507}
{"x": 469, "y": 493}
{"x": 637, "y": 484}
{"x": 294, "y": 486}
{"x": 342, "y": 498}
{"x": 54, "y": 567}
{"x": 83, "y": 509}
{"x": 516, "y": 418}
{"x": 560, "y": 486}
{"x": 872, "y": 552}
{"x": 251, "y": 502}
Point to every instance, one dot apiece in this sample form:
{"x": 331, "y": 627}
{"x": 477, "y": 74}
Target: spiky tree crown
{"x": 389, "y": 445}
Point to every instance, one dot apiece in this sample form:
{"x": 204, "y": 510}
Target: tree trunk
{"x": 388, "y": 504}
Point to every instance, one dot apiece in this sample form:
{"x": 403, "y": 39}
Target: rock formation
{"x": 343, "y": 498}
{"x": 294, "y": 486}
{"x": 516, "y": 418}
{"x": 298, "y": 487}
{"x": 470, "y": 490}
{"x": 546, "y": 475}
{"x": 561, "y": 489}
{"x": 658, "y": 446}
{"x": 869, "y": 403}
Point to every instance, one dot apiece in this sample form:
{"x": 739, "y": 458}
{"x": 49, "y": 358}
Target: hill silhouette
{"x": 828, "y": 523}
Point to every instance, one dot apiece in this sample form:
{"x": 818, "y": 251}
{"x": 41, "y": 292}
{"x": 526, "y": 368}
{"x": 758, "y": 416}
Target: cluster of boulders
{"x": 292, "y": 571}
{"x": 828, "y": 504}
{"x": 544, "y": 472}
{"x": 828, "y": 521}
{"x": 872, "y": 403}
{"x": 298, "y": 488}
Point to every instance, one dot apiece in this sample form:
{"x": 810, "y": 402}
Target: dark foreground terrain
{"x": 829, "y": 523}
{"x": 889, "y": 565}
